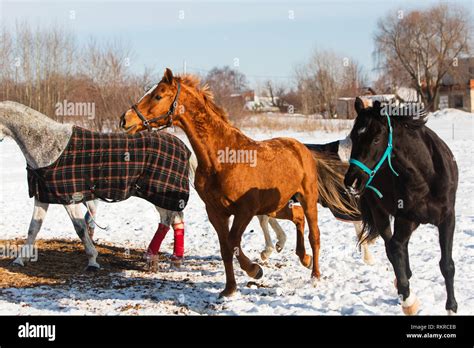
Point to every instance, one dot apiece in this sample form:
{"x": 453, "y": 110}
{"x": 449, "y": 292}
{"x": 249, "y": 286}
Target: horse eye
{"x": 376, "y": 141}
{"x": 157, "y": 97}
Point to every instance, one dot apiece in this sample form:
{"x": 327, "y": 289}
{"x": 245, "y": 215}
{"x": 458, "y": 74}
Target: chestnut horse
{"x": 239, "y": 176}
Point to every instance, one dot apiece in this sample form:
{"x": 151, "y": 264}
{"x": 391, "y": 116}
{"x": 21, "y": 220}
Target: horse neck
{"x": 41, "y": 139}
{"x": 412, "y": 157}
{"x": 208, "y": 133}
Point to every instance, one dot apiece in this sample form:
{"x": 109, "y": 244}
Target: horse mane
{"x": 412, "y": 121}
{"x": 203, "y": 93}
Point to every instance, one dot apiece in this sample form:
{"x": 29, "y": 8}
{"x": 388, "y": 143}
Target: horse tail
{"x": 332, "y": 192}
{"x": 369, "y": 231}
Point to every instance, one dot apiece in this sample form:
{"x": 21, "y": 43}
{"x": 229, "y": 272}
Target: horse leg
{"x": 75, "y": 213}
{"x": 446, "y": 264}
{"x": 366, "y": 255}
{"x": 308, "y": 201}
{"x": 398, "y": 246}
{"x": 90, "y": 216}
{"x": 281, "y": 236}
{"x": 178, "y": 248}
{"x": 151, "y": 255}
{"x": 176, "y": 220}
{"x": 221, "y": 225}
{"x": 39, "y": 212}
{"x": 234, "y": 239}
{"x": 295, "y": 214}
{"x": 263, "y": 220}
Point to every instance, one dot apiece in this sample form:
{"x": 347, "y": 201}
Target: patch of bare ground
{"x": 61, "y": 262}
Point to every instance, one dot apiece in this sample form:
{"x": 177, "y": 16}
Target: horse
{"x": 237, "y": 175}
{"x": 47, "y": 145}
{"x": 340, "y": 150}
{"x": 414, "y": 179}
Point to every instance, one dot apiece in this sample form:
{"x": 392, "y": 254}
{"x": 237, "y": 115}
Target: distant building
{"x": 345, "y": 108}
{"x": 457, "y": 88}
{"x": 262, "y": 104}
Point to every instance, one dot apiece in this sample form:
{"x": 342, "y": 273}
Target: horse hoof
{"x": 92, "y": 269}
{"x": 411, "y": 306}
{"x": 18, "y": 262}
{"x": 369, "y": 260}
{"x": 227, "y": 292}
{"x": 152, "y": 267}
{"x": 264, "y": 255}
{"x": 309, "y": 263}
{"x": 451, "y": 312}
{"x": 257, "y": 273}
{"x": 279, "y": 247}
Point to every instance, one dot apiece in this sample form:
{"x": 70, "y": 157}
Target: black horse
{"x": 401, "y": 168}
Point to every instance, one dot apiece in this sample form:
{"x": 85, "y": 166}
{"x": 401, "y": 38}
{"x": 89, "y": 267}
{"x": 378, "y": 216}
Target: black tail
{"x": 369, "y": 231}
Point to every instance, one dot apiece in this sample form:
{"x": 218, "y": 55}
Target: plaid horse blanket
{"x": 113, "y": 167}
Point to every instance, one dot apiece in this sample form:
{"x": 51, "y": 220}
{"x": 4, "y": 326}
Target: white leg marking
{"x": 411, "y": 305}
{"x": 366, "y": 254}
{"x": 75, "y": 213}
{"x": 166, "y": 216}
{"x": 281, "y": 235}
{"x": 39, "y": 212}
{"x": 410, "y": 301}
{"x": 263, "y": 220}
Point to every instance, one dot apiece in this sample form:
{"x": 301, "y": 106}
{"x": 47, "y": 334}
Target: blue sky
{"x": 260, "y": 34}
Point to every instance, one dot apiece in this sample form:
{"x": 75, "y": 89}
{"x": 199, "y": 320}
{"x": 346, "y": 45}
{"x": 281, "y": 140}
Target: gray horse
{"x": 42, "y": 141}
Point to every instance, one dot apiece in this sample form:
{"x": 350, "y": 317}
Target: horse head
{"x": 156, "y": 108}
{"x": 369, "y": 138}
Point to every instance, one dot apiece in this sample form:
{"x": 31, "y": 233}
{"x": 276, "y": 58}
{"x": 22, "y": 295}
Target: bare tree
{"x": 277, "y": 92}
{"x": 422, "y": 46}
{"x": 227, "y": 85}
{"x": 43, "y": 66}
{"x": 326, "y": 77}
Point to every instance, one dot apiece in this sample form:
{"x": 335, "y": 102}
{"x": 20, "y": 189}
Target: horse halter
{"x": 386, "y": 156}
{"x": 147, "y": 122}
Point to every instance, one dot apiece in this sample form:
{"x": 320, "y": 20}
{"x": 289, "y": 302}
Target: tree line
{"x": 45, "y": 66}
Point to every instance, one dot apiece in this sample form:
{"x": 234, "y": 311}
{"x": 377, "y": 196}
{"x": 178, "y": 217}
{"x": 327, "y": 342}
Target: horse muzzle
{"x": 353, "y": 182}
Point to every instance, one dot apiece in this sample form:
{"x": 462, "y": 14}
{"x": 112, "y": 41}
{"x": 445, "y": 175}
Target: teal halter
{"x": 386, "y": 156}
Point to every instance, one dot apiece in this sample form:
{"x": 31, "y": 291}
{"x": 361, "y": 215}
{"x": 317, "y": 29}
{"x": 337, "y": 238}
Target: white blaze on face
{"x": 149, "y": 91}
{"x": 362, "y": 130}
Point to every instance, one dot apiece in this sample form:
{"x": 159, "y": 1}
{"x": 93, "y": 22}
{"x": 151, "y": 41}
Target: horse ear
{"x": 168, "y": 76}
{"x": 377, "y": 105}
{"x": 359, "y": 105}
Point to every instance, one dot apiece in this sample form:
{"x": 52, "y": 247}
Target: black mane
{"x": 404, "y": 118}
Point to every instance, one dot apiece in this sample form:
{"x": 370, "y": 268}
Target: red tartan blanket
{"x": 113, "y": 167}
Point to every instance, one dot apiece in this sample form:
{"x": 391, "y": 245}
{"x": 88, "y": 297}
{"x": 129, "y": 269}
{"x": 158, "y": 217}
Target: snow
{"x": 347, "y": 287}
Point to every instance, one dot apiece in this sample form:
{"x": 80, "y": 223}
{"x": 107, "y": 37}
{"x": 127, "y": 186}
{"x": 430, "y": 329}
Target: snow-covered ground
{"x": 348, "y": 286}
